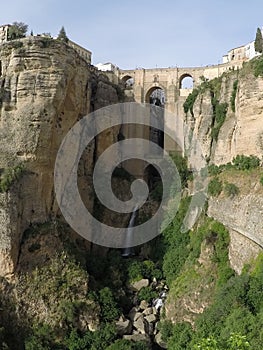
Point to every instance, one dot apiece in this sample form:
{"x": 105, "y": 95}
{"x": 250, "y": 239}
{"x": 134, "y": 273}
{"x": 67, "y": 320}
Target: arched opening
{"x": 186, "y": 82}
{"x": 128, "y": 81}
{"x": 0, "y": 68}
{"x": 156, "y": 97}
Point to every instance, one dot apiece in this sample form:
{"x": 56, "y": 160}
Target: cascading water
{"x": 128, "y": 239}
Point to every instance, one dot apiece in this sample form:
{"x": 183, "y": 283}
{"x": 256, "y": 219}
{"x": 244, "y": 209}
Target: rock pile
{"x": 141, "y": 322}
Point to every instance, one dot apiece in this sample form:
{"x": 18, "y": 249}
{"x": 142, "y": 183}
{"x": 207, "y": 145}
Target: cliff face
{"x": 242, "y": 215}
{"x": 240, "y": 133}
{"x": 242, "y": 130}
{"x": 46, "y": 87}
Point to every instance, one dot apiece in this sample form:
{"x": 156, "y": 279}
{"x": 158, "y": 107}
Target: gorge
{"x": 59, "y": 291}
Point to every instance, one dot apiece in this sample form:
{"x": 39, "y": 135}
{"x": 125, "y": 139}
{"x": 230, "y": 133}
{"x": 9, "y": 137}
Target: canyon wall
{"x": 240, "y": 133}
{"x": 46, "y": 87}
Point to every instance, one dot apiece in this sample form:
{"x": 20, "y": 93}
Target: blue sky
{"x": 144, "y": 33}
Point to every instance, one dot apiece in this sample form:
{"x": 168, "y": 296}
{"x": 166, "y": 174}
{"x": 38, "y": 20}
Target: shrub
{"x": 17, "y": 30}
{"x": 62, "y": 35}
{"x": 181, "y": 336}
{"x": 124, "y": 344}
{"x": 261, "y": 180}
{"x": 46, "y": 41}
{"x": 9, "y": 176}
{"x": 176, "y": 244}
{"x": 150, "y": 270}
{"x": 238, "y": 341}
{"x": 214, "y": 170}
{"x": 182, "y": 167}
{"x": 190, "y": 100}
{"x": 109, "y": 309}
{"x": 135, "y": 271}
{"x": 16, "y": 44}
{"x": 209, "y": 343}
{"x": 97, "y": 340}
{"x": 258, "y": 67}
{"x": 242, "y": 162}
{"x": 231, "y": 189}
{"x": 215, "y": 187}
{"x": 220, "y": 110}
{"x": 148, "y": 294}
{"x": 233, "y": 96}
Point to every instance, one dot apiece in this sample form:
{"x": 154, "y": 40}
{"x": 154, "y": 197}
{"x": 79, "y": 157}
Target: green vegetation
{"x": 147, "y": 293}
{"x": 258, "y": 41}
{"x": 46, "y": 41}
{"x": 44, "y": 338}
{"x": 17, "y": 30}
{"x": 175, "y": 243}
{"x": 9, "y": 176}
{"x": 215, "y": 187}
{"x": 242, "y": 162}
{"x": 220, "y": 110}
{"x": 257, "y": 65}
{"x": 182, "y": 167}
{"x": 233, "y": 96}
{"x": 190, "y": 100}
{"x": 62, "y": 35}
{"x": 109, "y": 309}
{"x": 16, "y": 44}
{"x": 123, "y": 344}
{"x": 230, "y": 189}
{"x": 234, "y": 318}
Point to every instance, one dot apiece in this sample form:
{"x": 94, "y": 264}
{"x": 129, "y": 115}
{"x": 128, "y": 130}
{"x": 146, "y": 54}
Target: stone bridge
{"x": 170, "y": 80}
{"x": 141, "y": 83}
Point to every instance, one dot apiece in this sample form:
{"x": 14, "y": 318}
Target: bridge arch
{"x": 186, "y": 81}
{"x": 127, "y": 80}
{"x": 157, "y": 92}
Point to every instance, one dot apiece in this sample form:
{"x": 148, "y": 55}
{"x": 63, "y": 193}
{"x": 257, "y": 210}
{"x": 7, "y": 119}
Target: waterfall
{"x": 128, "y": 239}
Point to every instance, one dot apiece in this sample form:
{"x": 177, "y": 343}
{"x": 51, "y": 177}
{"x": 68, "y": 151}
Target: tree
{"x": 238, "y": 342}
{"x": 207, "y": 344}
{"x": 259, "y": 41}
{"x": 62, "y": 35}
{"x": 17, "y": 30}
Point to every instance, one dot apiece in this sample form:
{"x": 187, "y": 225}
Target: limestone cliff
{"x": 242, "y": 214}
{"x": 242, "y": 130}
{"x": 45, "y": 88}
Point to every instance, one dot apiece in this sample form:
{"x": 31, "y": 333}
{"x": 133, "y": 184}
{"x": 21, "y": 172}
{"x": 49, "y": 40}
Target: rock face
{"x": 243, "y": 216}
{"x": 46, "y": 87}
{"x": 242, "y": 131}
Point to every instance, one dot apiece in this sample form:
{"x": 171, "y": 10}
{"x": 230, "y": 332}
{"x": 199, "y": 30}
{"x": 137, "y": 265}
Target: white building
{"x": 107, "y": 67}
{"x": 4, "y": 32}
{"x": 242, "y": 53}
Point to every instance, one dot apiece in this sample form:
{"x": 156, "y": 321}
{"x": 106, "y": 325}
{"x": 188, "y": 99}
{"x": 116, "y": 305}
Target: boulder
{"x": 151, "y": 318}
{"x": 133, "y": 312}
{"x": 148, "y": 311}
{"x": 123, "y": 326}
{"x": 134, "y": 317}
{"x": 138, "y": 285}
{"x": 141, "y": 325}
{"x": 137, "y": 337}
{"x": 159, "y": 341}
{"x": 143, "y": 305}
